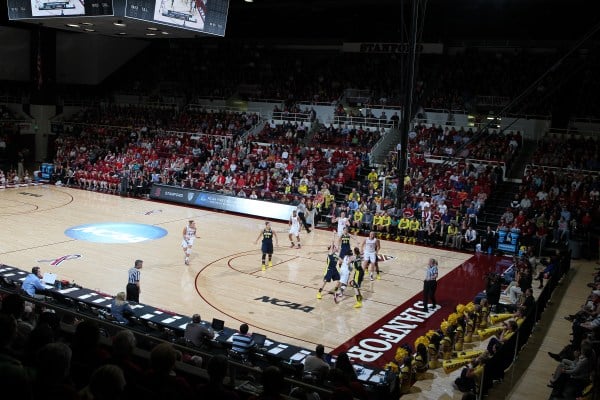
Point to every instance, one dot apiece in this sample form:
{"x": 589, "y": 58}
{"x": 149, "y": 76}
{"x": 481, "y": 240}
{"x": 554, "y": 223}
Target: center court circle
{"x": 115, "y": 232}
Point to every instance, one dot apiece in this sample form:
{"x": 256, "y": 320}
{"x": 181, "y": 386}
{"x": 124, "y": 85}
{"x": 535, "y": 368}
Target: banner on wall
{"x": 218, "y": 201}
{"x": 391, "y": 48}
{"x": 508, "y": 240}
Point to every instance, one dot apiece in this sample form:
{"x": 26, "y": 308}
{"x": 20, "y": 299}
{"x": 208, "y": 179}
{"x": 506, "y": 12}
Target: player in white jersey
{"x": 342, "y": 222}
{"x": 345, "y": 273}
{"x": 370, "y": 248}
{"x": 189, "y": 235}
{"x": 294, "y": 229}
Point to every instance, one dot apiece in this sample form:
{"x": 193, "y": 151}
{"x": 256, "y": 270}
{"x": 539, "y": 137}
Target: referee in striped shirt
{"x": 133, "y": 282}
{"x": 430, "y": 284}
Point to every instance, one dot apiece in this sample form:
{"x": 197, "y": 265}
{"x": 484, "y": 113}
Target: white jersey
{"x": 190, "y": 232}
{"x": 346, "y": 269}
{"x": 370, "y": 245}
{"x": 188, "y": 236}
{"x": 295, "y": 228}
{"x": 342, "y": 223}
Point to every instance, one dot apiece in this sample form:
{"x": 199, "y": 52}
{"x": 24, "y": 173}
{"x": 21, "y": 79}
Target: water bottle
{"x": 59, "y": 285}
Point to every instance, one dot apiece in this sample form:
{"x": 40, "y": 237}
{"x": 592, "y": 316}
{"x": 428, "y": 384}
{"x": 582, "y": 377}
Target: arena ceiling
{"x": 381, "y": 20}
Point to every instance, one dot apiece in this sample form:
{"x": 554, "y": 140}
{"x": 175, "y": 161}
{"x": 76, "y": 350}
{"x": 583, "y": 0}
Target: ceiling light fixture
{"x": 119, "y": 23}
{"x": 87, "y": 23}
{"x": 89, "y": 30}
{"x": 165, "y": 32}
{"x": 73, "y": 25}
{"x": 151, "y": 28}
{"x": 150, "y": 34}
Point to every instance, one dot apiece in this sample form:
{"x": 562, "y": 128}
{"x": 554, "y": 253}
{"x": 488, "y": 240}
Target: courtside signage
{"x": 218, "y": 201}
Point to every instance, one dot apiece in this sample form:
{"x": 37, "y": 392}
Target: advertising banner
{"x": 219, "y": 201}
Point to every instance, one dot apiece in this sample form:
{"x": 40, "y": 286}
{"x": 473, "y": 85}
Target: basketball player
{"x": 370, "y": 248}
{"x": 342, "y": 222}
{"x": 189, "y": 235}
{"x": 357, "y": 278}
{"x": 345, "y": 248}
{"x": 331, "y": 271}
{"x": 294, "y": 229}
{"x": 267, "y": 235}
{"x": 345, "y": 270}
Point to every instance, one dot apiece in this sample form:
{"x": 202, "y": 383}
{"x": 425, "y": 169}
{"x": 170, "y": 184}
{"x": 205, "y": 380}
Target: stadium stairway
{"x": 517, "y": 169}
{"x": 495, "y": 205}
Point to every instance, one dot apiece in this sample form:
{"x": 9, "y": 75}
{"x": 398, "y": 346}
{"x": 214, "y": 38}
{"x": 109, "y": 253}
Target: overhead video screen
{"x": 208, "y": 16}
{"x": 21, "y": 9}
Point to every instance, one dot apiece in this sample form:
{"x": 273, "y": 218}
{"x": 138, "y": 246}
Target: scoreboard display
{"x": 207, "y": 16}
{"x": 187, "y": 17}
{"x": 26, "y": 9}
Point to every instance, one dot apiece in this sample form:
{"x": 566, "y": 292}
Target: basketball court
{"x": 52, "y": 227}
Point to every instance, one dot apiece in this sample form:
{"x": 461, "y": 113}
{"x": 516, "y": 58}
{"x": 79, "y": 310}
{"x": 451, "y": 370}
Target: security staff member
{"x": 430, "y": 284}
{"x": 133, "y": 282}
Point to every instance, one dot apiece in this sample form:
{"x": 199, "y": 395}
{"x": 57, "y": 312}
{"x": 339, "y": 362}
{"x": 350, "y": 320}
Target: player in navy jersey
{"x": 357, "y": 278}
{"x": 331, "y": 271}
{"x": 345, "y": 248}
{"x": 266, "y": 248}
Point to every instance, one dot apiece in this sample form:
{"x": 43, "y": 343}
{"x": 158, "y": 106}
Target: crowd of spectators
{"x": 347, "y": 137}
{"x": 556, "y": 203}
{"x": 567, "y": 151}
{"x": 215, "y": 157}
{"x": 45, "y": 354}
{"x": 462, "y": 78}
{"x": 121, "y": 143}
{"x": 255, "y": 72}
{"x": 98, "y": 157}
{"x": 443, "y": 200}
{"x": 577, "y": 367}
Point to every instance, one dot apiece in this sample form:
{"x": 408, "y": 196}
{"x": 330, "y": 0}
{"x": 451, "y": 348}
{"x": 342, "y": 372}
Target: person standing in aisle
{"x": 133, "y": 288}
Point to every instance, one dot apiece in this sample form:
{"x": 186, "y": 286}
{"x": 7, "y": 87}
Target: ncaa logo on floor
{"x": 116, "y": 232}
